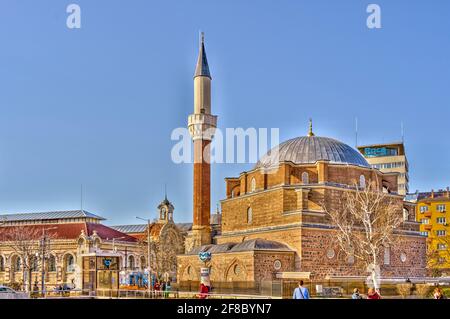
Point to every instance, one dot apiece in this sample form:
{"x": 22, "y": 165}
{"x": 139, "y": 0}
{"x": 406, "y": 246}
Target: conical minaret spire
{"x": 202, "y": 68}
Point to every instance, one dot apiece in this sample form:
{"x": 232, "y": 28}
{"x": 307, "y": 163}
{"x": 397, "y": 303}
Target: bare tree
{"x": 25, "y": 242}
{"x": 438, "y": 255}
{"x": 163, "y": 253}
{"x": 365, "y": 219}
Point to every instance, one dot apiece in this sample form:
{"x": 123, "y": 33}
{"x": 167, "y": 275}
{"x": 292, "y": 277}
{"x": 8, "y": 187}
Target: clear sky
{"x": 96, "y": 105}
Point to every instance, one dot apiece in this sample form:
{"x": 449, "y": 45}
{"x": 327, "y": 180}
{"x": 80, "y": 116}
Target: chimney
{"x": 432, "y": 193}
{"x": 447, "y": 193}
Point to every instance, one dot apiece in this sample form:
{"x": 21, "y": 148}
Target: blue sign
{"x": 374, "y": 152}
{"x": 204, "y": 256}
{"x": 107, "y": 262}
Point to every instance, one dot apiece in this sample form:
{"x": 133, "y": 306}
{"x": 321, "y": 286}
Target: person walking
{"x": 301, "y": 292}
{"x": 373, "y": 294}
{"x": 163, "y": 289}
{"x": 203, "y": 291}
{"x": 167, "y": 291}
{"x": 356, "y": 294}
{"x": 156, "y": 288}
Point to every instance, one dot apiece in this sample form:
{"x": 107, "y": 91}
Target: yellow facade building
{"x": 432, "y": 213}
{"x": 389, "y": 158}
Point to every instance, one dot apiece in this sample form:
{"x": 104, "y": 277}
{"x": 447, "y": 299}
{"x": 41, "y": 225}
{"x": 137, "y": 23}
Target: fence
{"x": 237, "y": 290}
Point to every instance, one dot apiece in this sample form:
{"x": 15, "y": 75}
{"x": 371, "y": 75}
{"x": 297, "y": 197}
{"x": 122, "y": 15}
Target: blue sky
{"x": 96, "y": 106}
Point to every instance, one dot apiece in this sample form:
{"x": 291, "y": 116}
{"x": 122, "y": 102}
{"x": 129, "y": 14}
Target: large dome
{"x": 310, "y": 149}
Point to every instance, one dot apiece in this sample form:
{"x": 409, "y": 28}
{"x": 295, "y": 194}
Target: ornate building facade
{"x": 166, "y": 238}
{"x": 63, "y": 238}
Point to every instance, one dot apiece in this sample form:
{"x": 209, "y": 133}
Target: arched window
{"x": 2, "y": 263}
{"x": 362, "y": 182}
{"x": 70, "y": 263}
{"x": 51, "y": 263}
{"x": 17, "y": 264}
{"x": 143, "y": 263}
{"x": 249, "y": 215}
{"x": 305, "y": 178}
{"x": 34, "y": 264}
{"x": 405, "y": 214}
{"x": 253, "y": 185}
{"x": 387, "y": 256}
{"x": 131, "y": 262}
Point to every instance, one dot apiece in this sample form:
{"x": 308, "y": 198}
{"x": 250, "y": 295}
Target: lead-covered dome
{"x": 310, "y": 149}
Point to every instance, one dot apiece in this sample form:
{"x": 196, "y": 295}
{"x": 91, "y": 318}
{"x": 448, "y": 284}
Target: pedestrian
{"x": 438, "y": 293}
{"x": 356, "y": 294}
{"x": 300, "y": 292}
{"x": 203, "y": 291}
{"x": 163, "y": 289}
{"x": 373, "y": 294}
{"x": 168, "y": 288}
{"x": 35, "y": 289}
{"x": 157, "y": 287}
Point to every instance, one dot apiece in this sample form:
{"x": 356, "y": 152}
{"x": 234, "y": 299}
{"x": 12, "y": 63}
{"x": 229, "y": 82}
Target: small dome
{"x": 310, "y": 149}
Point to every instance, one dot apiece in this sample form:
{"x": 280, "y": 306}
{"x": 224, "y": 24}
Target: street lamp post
{"x": 43, "y": 252}
{"x": 149, "y": 266}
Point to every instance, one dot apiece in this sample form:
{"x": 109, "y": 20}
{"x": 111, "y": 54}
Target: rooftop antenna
{"x": 165, "y": 191}
{"x": 356, "y": 132}
{"x": 81, "y": 197}
{"x": 402, "y": 131}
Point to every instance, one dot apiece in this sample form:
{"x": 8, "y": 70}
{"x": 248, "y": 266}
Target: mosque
{"x": 273, "y": 226}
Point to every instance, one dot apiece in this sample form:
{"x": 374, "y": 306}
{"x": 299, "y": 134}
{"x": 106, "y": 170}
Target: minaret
{"x": 201, "y": 127}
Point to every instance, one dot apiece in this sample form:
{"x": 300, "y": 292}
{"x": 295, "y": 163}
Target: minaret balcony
{"x": 202, "y": 126}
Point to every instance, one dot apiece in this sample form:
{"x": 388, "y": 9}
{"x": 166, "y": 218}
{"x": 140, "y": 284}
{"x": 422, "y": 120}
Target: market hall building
{"x": 79, "y": 251}
{"x": 273, "y": 226}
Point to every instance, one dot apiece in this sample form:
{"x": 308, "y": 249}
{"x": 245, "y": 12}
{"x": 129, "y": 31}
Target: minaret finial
{"x": 310, "y": 132}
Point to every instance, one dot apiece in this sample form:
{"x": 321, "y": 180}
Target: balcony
{"x": 427, "y": 214}
{"x": 427, "y": 227}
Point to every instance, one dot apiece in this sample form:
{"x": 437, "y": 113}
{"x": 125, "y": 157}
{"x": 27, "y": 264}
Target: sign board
{"x": 204, "y": 277}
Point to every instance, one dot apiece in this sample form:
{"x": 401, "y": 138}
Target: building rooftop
{"x": 395, "y": 143}
{"x": 140, "y": 228}
{"x": 130, "y": 229}
{"x": 68, "y": 231}
{"x": 67, "y": 214}
{"x": 310, "y": 149}
{"x": 247, "y": 245}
